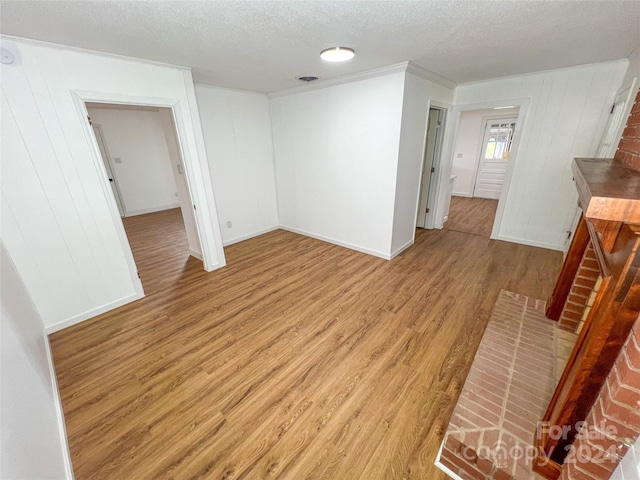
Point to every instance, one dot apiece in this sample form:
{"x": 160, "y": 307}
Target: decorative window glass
{"x": 499, "y": 141}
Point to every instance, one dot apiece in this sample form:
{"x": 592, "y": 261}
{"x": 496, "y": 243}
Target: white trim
{"x": 92, "y": 313}
{"x": 142, "y": 211}
{"x": 427, "y": 74}
{"x": 98, "y": 162}
{"x": 442, "y": 467}
{"x": 461, "y": 194}
{"x": 331, "y": 82}
{"x": 448, "y": 152}
{"x": 195, "y": 254}
{"x": 401, "y": 248}
{"x": 340, "y": 243}
{"x": 249, "y": 235}
{"x": 199, "y": 183}
{"x": 195, "y": 164}
{"x": 229, "y": 89}
{"x": 61, "y": 46}
{"x": 531, "y": 243}
{"x": 62, "y": 428}
{"x": 537, "y": 72}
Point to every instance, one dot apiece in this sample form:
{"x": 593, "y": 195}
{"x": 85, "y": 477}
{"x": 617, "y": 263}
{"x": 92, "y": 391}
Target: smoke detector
{"x": 307, "y": 78}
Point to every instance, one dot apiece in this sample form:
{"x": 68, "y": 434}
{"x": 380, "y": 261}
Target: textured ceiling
{"x": 264, "y": 45}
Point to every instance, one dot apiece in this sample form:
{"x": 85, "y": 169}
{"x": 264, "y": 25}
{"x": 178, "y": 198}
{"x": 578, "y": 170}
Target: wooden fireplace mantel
{"x": 609, "y": 196}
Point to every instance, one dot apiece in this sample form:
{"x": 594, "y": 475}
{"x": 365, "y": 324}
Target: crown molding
{"x": 427, "y": 74}
{"x": 41, "y": 43}
{"x": 331, "y": 82}
{"x": 408, "y": 67}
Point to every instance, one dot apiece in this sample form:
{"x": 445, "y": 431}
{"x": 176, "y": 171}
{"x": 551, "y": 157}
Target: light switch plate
{"x": 117, "y": 160}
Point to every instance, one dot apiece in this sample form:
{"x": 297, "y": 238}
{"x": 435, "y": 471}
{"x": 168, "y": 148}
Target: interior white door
{"x": 105, "y": 159}
{"x": 494, "y": 157}
{"x": 617, "y": 120}
{"x": 433, "y": 128}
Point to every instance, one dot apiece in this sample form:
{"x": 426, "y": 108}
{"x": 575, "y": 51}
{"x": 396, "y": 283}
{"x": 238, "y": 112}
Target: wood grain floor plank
{"x": 471, "y": 215}
{"x": 299, "y": 360}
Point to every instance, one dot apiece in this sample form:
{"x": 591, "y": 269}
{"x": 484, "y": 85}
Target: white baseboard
{"x": 461, "y": 194}
{"x": 92, "y": 313}
{"x": 401, "y": 249}
{"x": 249, "y": 235}
{"x": 142, "y": 211}
{"x": 446, "y": 470}
{"x": 62, "y": 428}
{"x": 340, "y": 243}
{"x": 195, "y": 254}
{"x": 531, "y": 243}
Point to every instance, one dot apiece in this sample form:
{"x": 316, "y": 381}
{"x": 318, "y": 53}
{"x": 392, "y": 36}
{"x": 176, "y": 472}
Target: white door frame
{"x": 197, "y": 177}
{"x": 434, "y": 179}
{"x": 451, "y": 130}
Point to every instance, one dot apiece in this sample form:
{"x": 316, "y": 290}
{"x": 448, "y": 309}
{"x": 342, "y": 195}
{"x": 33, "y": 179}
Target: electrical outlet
{"x": 117, "y": 160}
{"x": 459, "y": 155}
{"x": 229, "y": 224}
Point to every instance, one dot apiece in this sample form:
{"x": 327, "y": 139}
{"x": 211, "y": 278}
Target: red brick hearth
{"x": 508, "y": 388}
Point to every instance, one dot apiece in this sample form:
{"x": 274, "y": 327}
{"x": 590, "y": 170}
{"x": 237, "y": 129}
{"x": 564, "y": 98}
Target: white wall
{"x": 31, "y": 443}
{"x": 634, "y": 69}
{"x": 237, "y": 133}
{"x": 565, "y": 118}
{"x": 466, "y": 152}
{"x": 336, "y": 152}
{"x": 144, "y": 176}
{"x": 418, "y": 92}
{"x": 180, "y": 178}
{"x": 59, "y": 221}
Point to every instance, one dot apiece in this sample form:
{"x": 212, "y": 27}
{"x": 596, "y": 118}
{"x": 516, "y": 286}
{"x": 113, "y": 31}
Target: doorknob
{"x": 111, "y": 179}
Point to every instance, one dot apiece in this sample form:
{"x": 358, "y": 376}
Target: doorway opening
{"x": 431, "y": 163}
{"x": 481, "y": 155}
{"x": 145, "y": 170}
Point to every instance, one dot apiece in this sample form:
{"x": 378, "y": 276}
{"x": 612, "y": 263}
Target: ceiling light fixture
{"x": 501, "y": 108}
{"x": 337, "y": 54}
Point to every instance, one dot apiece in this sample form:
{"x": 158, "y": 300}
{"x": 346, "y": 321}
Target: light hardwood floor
{"x": 300, "y": 359}
{"x": 471, "y": 215}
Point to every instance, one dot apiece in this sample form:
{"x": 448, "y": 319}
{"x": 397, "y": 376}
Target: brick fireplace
{"x": 522, "y": 355}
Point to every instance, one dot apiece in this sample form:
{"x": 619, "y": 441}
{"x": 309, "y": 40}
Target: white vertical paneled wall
{"x": 237, "y": 134}
{"x": 33, "y": 444}
{"x": 566, "y": 116}
{"x": 57, "y": 219}
{"x": 336, "y": 152}
{"x": 418, "y": 93}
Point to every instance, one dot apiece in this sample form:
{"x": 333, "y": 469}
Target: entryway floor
{"x": 471, "y": 215}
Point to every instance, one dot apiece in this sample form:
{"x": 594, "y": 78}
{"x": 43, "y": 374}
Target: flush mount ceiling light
{"x": 502, "y": 108}
{"x": 337, "y": 54}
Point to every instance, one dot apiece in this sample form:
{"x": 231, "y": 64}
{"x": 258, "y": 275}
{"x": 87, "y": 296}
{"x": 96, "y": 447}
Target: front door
{"x": 494, "y": 157}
